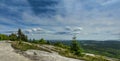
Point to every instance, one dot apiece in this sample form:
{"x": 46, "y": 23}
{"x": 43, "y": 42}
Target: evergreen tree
{"x": 22, "y": 36}
{"x": 42, "y": 41}
{"x": 13, "y": 37}
{"x": 75, "y": 47}
{"x": 48, "y": 42}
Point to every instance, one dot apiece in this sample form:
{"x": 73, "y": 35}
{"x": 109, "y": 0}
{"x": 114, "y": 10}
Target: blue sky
{"x": 61, "y": 19}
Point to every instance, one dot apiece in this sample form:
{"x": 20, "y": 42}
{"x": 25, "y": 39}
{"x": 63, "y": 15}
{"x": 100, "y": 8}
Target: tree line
{"x": 19, "y": 36}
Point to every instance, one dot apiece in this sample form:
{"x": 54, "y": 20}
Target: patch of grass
{"x": 95, "y": 58}
{"x": 23, "y": 46}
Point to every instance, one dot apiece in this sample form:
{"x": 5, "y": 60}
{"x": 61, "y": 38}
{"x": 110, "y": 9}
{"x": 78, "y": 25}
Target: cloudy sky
{"x": 61, "y": 19}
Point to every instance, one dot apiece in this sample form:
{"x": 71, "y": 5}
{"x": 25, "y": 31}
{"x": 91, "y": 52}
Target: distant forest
{"x": 110, "y": 48}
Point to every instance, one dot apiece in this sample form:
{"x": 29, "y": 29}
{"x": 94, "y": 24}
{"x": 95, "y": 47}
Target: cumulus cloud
{"x": 65, "y": 31}
{"x": 33, "y": 30}
{"x": 38, "y": 31}
{"x": 74, "y": 28}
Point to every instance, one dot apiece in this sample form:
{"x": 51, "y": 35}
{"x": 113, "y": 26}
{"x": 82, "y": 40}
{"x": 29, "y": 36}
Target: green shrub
{"x": 59, "y": 44}
{"x": 24, "y": 46}
{"x": 13, "y": 37}
{"x": 4, "y": 37}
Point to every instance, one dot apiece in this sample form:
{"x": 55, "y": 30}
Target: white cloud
{"x": 109, "y": 2}
{"x": 74, "y": 28}
{"x": 38, "y": 31}
{"x": 88, "y": 14}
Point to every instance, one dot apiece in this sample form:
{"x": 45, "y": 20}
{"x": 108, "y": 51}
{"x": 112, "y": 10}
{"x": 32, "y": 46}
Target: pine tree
{"x": 22, "y": 36}
{"x": 75, "y": 47}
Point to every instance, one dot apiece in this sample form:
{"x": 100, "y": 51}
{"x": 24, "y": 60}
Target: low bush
{"x": 23, "y": 46}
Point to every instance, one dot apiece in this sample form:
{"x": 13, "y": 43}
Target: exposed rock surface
{"x": 46, "y": 56}
{"x": 7, "y": 53}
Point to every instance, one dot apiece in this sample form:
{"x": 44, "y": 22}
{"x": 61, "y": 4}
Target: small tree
{"x": 75, "y": 47}
{"x": 48, "y": 42}
{"x": 13, "y": 37}
{"x": 22, "y": 36}
{"x": 42, "y": 41}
